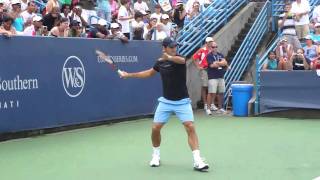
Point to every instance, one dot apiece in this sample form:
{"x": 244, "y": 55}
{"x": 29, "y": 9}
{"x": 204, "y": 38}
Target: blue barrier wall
{"x": 52, "y": 82}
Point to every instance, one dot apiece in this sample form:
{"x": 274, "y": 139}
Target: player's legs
{"x": 156, "y": 134}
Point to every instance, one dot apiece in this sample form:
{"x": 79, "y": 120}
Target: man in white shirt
{"x": 140, "y": 6}
{"x": 301, "y": 9}
{"x": 124, "y": 17}
{"x": 316, "y": 14}
{"x": 167, "y": 25}
{"x": 28, "y": 14}
{"x": 36, "y": 29}
{"x": 157, "y": 13}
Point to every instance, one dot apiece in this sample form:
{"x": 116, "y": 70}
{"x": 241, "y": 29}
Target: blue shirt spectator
{"x": 215, "y": 73}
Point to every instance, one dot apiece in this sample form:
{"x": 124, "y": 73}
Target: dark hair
{"x": 31, "y": 2}
{"x": 64, "y": 7}
{"x": 301, "y": 49}
{"x": 123, "y": 2}
{"x": 138, "y": 15}
{"x": 7, "y": 19}
{"x": 62, "y": 20}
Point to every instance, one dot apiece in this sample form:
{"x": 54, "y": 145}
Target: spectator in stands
{"x": 16, "y": 15}
{"x": 78, "y": 15}
{"x": 179, "y": 15}
{"x": 272, "y": 62}
{"x": 146, "y": 16}
{"x": 137, "y": 26}
{"x": 3, "y": 11}
{"x": 99, "y": 30}
{"x": 315, "y": 65}
{"x": 88, "y": 9}
{"x": 316, "y": 35}
{"x": 301, "y": 9}
{"x": 199, "y": 59}
{"x": 284, "y": 51}
{"x": 167, "y": 25}
{"x": 217, "y": 66}
{"x": 287, "y": 25}
{"x": 114, "y": 9}
{"x": 298, "y": 61}
{"x": 61, "y": 30}
{"x": 149, "y": 31}
{"x": 51, "y": 19}
{"x": 75, "y": 29}
{"x": 140, "y": 6}
{"x": 28, "y": 14}
{"x": 157, "y": 12}
{"x": 6, "y": 28}
{"x": 316, "y": 14}
{"x": 160, "y": 33}
{"x": 65, "y": 11}
{"x": 193, "y": 13}
{"x": 36, "y": 29}
{"x": 104, "y": 9}
{"x": 51, "y": 4}
{"x": 24, "y": 5}
{"x": 124, "y": 16}
{"x": 117, "y": 34}
{"x": 311, "y": 51}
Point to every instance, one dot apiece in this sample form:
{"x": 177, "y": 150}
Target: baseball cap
{"x": 114, "y": 25}
{"x": 283, "y": 40}
{"x": 143, "y": 12}
{"x": 36, "y": 18}
{"x": 15, "y": 2}
{"x": 169, "y": 42}
{"x": 179, "y": 3}
{"x": 153, "y": 16}
{"x": 317, "y": 25}
{"x": 102, "y": 22}
{"x": 308, "y": 37}
{"x": 1, "y": 1}
{"x": 165, "y": 16}
{"x": 209, "y": 39}
{"x": 74, "y": 23}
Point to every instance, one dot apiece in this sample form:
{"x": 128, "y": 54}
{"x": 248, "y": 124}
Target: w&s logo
{"x": 73, "y": 76}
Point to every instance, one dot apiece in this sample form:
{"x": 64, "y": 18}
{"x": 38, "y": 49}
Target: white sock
{"x": 196, "y": 155}
{"x": 205, "y": 106}
{"x": 156, "y": 151}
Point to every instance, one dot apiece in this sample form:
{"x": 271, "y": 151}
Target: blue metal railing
{"x": 247, "y": 48}
{"x": 208, "y": 21}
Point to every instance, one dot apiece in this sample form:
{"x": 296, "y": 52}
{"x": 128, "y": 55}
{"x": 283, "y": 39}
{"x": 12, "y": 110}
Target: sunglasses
{"x": 214, "y": 46}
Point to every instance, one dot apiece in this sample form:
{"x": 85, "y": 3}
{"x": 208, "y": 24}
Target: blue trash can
{"x": 241, "y": 94}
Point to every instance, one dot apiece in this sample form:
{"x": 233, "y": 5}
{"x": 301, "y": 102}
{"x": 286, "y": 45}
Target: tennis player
{"x": 172, "y": 69}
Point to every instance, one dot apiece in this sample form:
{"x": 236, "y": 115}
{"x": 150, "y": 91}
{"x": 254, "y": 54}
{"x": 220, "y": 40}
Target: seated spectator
{"x": 272, "y": 62}
{"x": 157, "y": 12}
{"x": 61, "y": 30}
{"x": 301, "y": 9}
{"x": 51, "y": 19}
{"x": 75, "y": 29}
{"x": 140, "y": 6}
{"x": 52, "y": 4}
{"x": 150, "y": 29}
{"x": 16, "y": 15}
{"x": 3, "y": 11}
{"x": 284, "y": 50}
{"x": 315, "y": 65}
{"x": 124, "y": 17}
{"x": 167, "y": 25}
{"x": 36, "y": 29}
{"x": 28, "y": 14}
{"x": 116, "y": 33}
{"x": 316, "y": 35}
{"x": 65, "y": 11}
{"x": 99, "y": 30}
{"x": 287, "y": 26}
{"x": 311, "y": 51}
{"x": 78, "y": 15}
{"x": 6, "y": 28}
{"x": 146, "y": 16}
{"x": 298, "y": 61}
{"x": 160, "y": 33}
{"x": 137, "y": 26}
{"x": 179, "y": 14}
{"x": 193, "y": 13}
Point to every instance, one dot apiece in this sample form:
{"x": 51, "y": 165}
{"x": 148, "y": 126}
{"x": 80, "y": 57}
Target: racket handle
{"x": 120, "y": 73}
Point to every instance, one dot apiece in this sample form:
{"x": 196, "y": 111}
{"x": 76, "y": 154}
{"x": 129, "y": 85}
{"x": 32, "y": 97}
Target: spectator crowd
{"x": 105, "y": 19}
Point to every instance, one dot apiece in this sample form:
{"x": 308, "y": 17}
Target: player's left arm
{"x": 175, "y": 59}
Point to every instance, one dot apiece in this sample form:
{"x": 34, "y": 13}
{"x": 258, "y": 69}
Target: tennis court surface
{"x": 236, "y": 148}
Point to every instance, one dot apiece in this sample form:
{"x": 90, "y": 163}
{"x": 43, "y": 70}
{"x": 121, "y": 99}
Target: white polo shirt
{"x": 301, "y": 8}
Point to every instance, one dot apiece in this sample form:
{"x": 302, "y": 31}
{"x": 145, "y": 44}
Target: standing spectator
{"x": 298, "y": 61}
{"x": 217, "y": 66}
{"x": 36, "y": 29}
{"x": 167, "y": 25}
{"x": 301, "y": 9}
{"x": 157, "y": 12}
{"x": 179, "y": 15}
{"x": 137, "y": 26}
{"x": 24, "y": 5}
{"x": 65, "y": 11}
{"x": 51, "y": 4}
{"x": 114, "y": 9}
{"x": 316, "y": 14}
{"x": 28, "y": 14}
{"x": 272, "y": 62}
{"x": 124, "y": 17}
{"x": 16, "y": 15}
{"x": 287, "y": 25}
{"x": 88, "y": 8}
{"x": 316, "y": 35}
{"x": 6, "y": 28}
{"x": 78, "y": 15}
{"x": 61, "y": 30}
{"x": 193, "y": 13}
{"x": 3, "y": 11}
{"x": 190, "y": 5}
{"x": 75, "y": 29}
{"x": 149, "y": 32}
{"x": 51, "y": 19}
{"x": 201, "y": 63}
{"x": 284, "y": 51}
{"x": 140, "y": 6}
{"x": 104, "y": 10}
{"x": 311, "y": 51}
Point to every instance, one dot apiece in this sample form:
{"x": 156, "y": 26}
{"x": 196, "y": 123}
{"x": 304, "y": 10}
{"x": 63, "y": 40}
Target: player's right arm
{"x": 142, "y": 74}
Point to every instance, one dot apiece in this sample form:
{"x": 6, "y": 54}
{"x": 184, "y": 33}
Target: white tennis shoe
{"x": 155, "y": 161}
{"x": 201, "y": 166}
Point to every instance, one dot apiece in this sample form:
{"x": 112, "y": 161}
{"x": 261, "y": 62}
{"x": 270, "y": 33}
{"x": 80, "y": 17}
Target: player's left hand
{"x": 164, "y": 57}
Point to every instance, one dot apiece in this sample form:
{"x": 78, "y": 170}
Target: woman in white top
{"x": 124, "y": 16}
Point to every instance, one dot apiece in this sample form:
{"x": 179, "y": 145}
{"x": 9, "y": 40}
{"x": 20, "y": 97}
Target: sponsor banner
{"x": 52, "y": 82}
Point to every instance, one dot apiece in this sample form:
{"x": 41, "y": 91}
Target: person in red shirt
{"x": 315, "y": 64}
{"x": 201, "y": 63}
